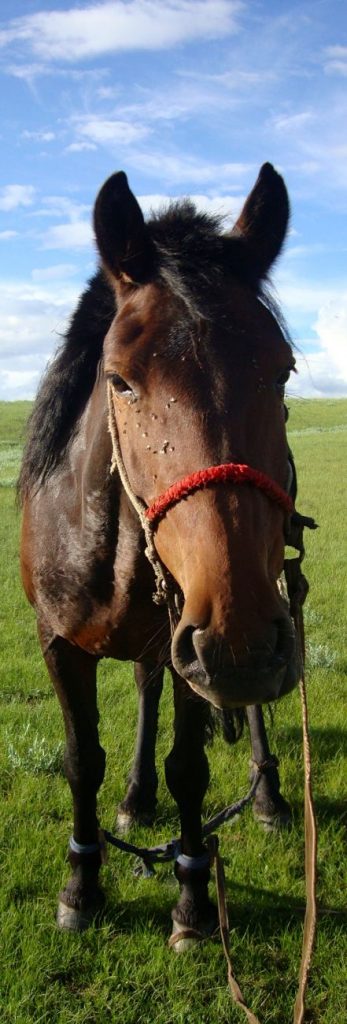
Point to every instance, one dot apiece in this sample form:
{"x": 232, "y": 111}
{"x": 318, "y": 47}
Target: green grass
{"x": 123, "y": 971}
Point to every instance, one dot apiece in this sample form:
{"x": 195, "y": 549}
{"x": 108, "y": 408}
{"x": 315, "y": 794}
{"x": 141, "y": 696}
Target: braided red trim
{"x": 234, "y": 472}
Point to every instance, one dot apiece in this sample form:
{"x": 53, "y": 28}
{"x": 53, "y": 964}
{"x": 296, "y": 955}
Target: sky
{"x": 189, "y": 98}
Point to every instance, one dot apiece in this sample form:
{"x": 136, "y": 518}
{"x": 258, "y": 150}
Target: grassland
{"x": 123, "y": 971}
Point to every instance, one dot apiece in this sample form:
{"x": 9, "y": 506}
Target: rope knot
{"x": 263, "y": 766}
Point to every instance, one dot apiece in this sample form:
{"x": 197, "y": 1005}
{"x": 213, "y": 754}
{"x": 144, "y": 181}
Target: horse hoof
{"x": 72, "y": 919}
{"x": 124, "y": 822}
{"x": 126, "y": 819}
{"x": 183, "y": 938}
{"x": 274, "y": 822}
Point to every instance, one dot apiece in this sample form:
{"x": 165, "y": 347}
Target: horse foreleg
{"x": 269, "y": 806}
{"x": 73, "y": 673}
{"x": 141, "y": 797}
{"x": 187, "y": 776}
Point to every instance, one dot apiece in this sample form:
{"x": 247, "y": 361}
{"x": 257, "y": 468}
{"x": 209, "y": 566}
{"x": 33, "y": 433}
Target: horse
{"x": 157, "y": 457}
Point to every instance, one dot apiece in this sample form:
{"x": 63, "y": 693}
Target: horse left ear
{"x": 264, "y": 219}
{"x": 121, "y": 233}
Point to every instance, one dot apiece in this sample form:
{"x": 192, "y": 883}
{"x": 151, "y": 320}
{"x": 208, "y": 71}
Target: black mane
{"x": 193, "y": 255}
{"x": 67, "y": 384}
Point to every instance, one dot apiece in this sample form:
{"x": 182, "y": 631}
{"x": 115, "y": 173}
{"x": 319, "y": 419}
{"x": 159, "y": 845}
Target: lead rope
{"x": 165, "y": 593}
{"x": 310, "y": 843}
{"x": 310, "y": 870}
{"x": 225, "y": 931}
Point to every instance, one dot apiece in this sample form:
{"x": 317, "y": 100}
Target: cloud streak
{"x": 97, "y": 29}
{"x": 12, "y": 196}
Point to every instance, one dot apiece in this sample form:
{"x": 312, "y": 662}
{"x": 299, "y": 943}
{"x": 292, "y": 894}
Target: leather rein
{"x": 150, "y": 517}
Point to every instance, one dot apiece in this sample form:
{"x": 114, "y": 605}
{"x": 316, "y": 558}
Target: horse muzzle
{"x": 257, "y": 675}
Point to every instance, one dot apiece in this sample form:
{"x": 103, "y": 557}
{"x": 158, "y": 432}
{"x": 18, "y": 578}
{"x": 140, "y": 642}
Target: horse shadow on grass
{"x": 251, "y": 909}
{"x": 325, "y": 742}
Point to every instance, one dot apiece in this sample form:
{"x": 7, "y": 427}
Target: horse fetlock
{"x": 138, "y": 806}
{"x": 269, "y": 806}
{"x": 272, "y": 811}
{"x": 193, "y": 906}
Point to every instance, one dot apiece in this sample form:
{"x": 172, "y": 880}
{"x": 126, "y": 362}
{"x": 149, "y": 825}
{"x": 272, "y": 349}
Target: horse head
{"x": 198, "y": 362}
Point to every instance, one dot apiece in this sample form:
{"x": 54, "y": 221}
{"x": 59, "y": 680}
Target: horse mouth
{"x": 261, "y": 680}
{"x": 227, "y": 692}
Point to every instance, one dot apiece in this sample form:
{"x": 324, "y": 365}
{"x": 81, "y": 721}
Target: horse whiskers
{"x": 157, "y": 669}
{"x": 152, "y": 641}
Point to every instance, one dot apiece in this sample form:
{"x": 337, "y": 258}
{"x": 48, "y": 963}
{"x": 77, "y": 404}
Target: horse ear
{"x": 121, "y": 233}
{"x": 264, "y": 219}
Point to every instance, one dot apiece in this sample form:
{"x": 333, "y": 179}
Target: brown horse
{"x": 175, "y": 351}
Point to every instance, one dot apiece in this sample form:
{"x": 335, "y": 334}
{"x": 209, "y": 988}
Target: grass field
{"x": 123, "y": 971}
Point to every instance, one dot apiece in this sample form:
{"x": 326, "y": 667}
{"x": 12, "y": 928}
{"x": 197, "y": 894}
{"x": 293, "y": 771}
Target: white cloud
{"x": 292, "y": 122}
{"x": 57, "y": 206}
{"x": 116, "y": 132}
{"x": 331, "y": 328}
{"x": 19, "y": 384}
{"x": 322, "y": 360}
{"x": 39, "y": 136}
{"x": 180, "y": 168}
{"x": 337, "y": 60}
{"x": 89, "y": 31}
{"x": 316, "y": 378}
{"x": 301, "y": 296}
{"x": 26, "y": 72}
{"x": 33, "y": 316}
{"x": 58, "y": 272}
{"x": 12, "y": 196}
{"x": 75, "y": 232}
{"x": 75, "y": 235}
{"x": 239, "y": 78}
{"x": 5, "y": 235}
{"x": 184, "y": 97}
{"x": 80, "y": 147}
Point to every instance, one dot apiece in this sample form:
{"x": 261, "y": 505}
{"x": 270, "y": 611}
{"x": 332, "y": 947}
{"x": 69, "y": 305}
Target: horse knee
{"x": 187, "y": 778}
{"x": 84, "y": 772}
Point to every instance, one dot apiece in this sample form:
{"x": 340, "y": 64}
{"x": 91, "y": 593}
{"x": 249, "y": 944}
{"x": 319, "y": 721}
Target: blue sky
{"x": 189, "y": 97}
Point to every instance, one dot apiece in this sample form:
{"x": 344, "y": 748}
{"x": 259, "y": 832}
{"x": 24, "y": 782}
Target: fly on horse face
{"x": 173, "y": 371}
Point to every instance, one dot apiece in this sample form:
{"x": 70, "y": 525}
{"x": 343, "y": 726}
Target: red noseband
{"x": 233, "y": 472}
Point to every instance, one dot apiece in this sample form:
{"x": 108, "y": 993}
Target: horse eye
{"x": 120, "y": 385}
{"x": 282, "y": 380}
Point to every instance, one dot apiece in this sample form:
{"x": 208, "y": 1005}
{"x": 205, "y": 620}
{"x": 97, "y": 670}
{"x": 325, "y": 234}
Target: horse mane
{"x": 193, "y": 256}
{"x": 67, "y": 384}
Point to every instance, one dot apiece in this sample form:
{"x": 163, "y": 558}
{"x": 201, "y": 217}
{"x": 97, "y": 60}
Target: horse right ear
{"x": 263, "y": 221}
{"x": 121, "y": 233}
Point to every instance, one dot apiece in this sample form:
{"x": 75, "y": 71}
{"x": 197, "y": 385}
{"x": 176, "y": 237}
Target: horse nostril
{"x": 185, "y": 654}
{"x": 184, "y": 644}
